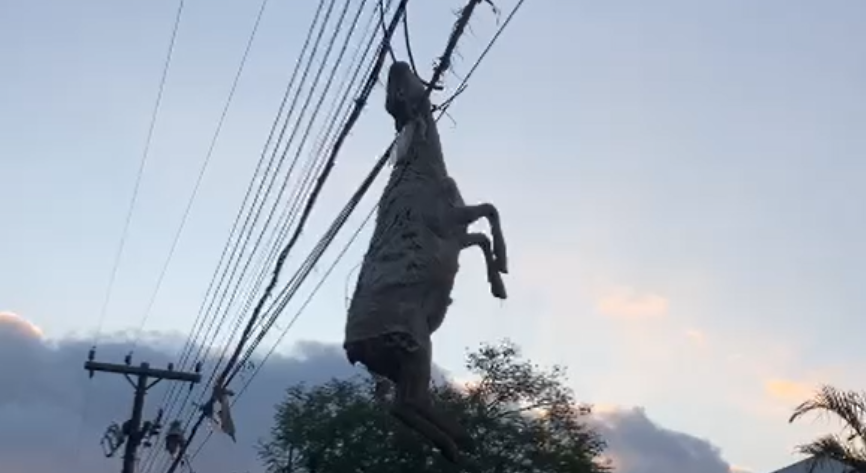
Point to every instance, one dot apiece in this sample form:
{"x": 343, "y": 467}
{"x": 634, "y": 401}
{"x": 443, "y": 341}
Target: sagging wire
{"x": 276, "y": 308}
{"x": 360, "y": 102}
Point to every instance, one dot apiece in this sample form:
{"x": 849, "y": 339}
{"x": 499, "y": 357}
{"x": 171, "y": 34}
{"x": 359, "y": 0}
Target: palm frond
{"x": 832, "y": 448}
{"x": 849, "y": 406}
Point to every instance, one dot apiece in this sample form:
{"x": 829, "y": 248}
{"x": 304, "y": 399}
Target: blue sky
{"x": 679, "y": 184}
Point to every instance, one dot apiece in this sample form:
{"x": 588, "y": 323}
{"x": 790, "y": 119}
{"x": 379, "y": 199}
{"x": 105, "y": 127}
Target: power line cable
{"x": 142, "y": 163}
{"x": 347, "y": 211}
{"x": 201, "y": 172}
{"x": 311, "y": 201}
{"x": 408, "y": 42}
{"x": 290, "y": 212}
{"x": 332, "y": 120}
{"x": 287, "y": 294}
{"x": 249, "y": 225}
{"x": 360, "y": 102}
{"x": 291, "y": 323}
{"x": 319, "y": 104}
{"x": 239, "y": 228}
{"x": 463, "y": 84}
{"x": 327, "y": 135}
{"x": 305, "y": 135}
{"x": 130, "y": 210}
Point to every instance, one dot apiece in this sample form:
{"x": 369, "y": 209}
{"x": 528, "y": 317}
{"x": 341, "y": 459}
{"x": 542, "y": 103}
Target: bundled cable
{"x": 276, "y": 307}
{"x": 360, "y": 102}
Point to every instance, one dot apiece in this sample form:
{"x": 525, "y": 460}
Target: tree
{"x": 523, "y": 420}
{"x": 849, "y": 446}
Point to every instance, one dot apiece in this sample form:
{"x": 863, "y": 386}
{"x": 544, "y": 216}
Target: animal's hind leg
{"x": 413, "y": 406}
{"x": 388, "y": 362}
{"x": 468, "y": 214}
{"x": 497, "y": 286}
{"x": 410, "y": 416}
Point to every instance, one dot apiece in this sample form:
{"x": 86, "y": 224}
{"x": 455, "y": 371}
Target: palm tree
{"x": 849, "y": 446}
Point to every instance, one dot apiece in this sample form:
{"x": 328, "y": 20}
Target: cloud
{"x": 13, "y": 321}
{"x": 628, "y": 303}
{"x": 638, "y": 445}
{"x": 52, "y": 416}
{"x": 788, "y": 391}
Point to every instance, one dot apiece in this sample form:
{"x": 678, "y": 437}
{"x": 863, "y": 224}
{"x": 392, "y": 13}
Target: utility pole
{"x": 142, "y": 378}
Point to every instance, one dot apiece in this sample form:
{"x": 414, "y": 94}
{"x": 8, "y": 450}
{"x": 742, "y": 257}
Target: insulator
{"x": 171, "y": 366}
{"x": 174, "y": 438}
{"x": 92, "y": 353}
{"x": 128, "y": 359}
{"x": 198, "y": 367}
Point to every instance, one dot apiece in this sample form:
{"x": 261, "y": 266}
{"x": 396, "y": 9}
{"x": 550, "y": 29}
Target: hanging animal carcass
{"x": 404, "y": 285}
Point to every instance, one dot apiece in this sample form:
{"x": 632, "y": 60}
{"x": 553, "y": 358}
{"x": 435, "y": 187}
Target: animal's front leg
{"x": 468, "y": 214}
{"x": 497, "y": 286}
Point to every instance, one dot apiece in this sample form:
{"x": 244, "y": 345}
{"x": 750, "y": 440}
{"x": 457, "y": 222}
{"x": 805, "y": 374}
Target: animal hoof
{"x": 497, "y": 287}
{"x": 450, "y": 453}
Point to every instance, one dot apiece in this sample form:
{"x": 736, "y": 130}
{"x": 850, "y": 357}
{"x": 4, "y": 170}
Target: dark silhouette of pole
{"x": 134, "y": 435}
{"x": 145, "y": 378}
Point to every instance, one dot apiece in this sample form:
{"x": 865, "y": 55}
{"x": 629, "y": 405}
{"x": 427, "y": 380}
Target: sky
{"x": 678, "y": 183}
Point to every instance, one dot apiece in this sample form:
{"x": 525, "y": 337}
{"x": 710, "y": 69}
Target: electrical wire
{"x": 288, "y": 247}
{"x": 289, "y": 213}
{"x": 463, "y": 84}
{"x": 270, "y": 288}
{"x": 331, "y": 233}
{"x": 201, "y": 172}
{"x": 291, "y": 323}
{"x": 327, "y": 136}
{"x": 408, "y": 42}
{"x": 319, "y": 104}
{"x": 311, "y": 261}
{"x": 142, "y": 163}
{"x": 130, "y": 210}
{"x": 239, "y": 227}
{"x": 259, "y": 204}
{"x": 316, "y": 108}
{"x": 245, "y": 227}
{"x": 359, "y": 104}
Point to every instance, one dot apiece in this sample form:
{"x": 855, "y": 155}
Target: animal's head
{"x": 406, "y": 95}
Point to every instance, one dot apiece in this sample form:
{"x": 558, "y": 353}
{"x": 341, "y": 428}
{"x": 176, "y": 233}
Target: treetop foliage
{"x": 522, "y": 417}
